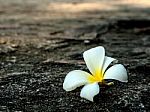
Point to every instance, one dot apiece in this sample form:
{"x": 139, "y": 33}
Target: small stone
{"x": 86, "y": 41}
{"x": 14, "y": 45}
{"x": 147, "y": 50}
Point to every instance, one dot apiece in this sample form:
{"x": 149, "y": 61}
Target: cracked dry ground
{"x": 39, "y": 46}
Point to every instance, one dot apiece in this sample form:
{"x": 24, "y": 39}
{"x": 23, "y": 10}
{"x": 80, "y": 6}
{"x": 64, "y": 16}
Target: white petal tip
{"x": 94, "y": 58}
{"x": 75, "y": 79}
{"x": 89, "y": 91}
{"x": 117, "y": 72}
{"x": 65, "y": 87}
{"x": 89, "y": 98}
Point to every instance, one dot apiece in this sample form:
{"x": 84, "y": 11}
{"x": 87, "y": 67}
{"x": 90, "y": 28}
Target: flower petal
{"x": 89, "y": 91}
{"x": 107, "y": 62}
{"x": 117, "y": 72}
{"x": 94, "y": 59}
{"x": 75, "y": 79}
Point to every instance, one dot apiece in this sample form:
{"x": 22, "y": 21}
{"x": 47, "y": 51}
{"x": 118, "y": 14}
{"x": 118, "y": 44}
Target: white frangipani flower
{"x": 97, "y": 64}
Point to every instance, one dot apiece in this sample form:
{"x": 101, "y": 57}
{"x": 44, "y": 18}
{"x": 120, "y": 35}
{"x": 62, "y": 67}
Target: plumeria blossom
{"x": 97, "y": 64}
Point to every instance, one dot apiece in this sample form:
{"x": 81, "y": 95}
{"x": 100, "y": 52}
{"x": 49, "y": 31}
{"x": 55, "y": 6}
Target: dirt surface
{"x": 42, "y": 40}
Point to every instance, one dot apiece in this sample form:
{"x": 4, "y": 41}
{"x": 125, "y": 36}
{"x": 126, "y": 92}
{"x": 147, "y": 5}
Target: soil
{"x": 42, "y": 40}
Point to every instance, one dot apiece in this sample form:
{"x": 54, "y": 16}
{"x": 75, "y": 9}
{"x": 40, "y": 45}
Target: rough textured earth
{"x": 42, "y": 40}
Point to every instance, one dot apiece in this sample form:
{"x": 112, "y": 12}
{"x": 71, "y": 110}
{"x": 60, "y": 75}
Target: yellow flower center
{"x": 97, "y": 77}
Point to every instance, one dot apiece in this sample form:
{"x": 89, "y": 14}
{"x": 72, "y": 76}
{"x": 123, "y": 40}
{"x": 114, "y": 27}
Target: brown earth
{"x": 42, "y": 40}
